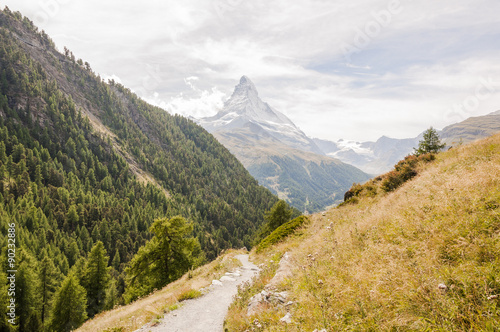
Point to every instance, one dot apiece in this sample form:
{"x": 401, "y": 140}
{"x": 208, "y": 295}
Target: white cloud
{"x": 202, "y": 103}
{"x": 113, "y": 77}
{"x": 187, "y": 56}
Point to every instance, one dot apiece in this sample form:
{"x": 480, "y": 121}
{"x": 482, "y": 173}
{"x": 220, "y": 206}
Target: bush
{"x": 282, "y": 232}
{"x": 404, "y": 170}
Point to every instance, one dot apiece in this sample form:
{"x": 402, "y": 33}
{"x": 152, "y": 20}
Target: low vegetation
{"x": 423, "y": 257}
{"x": 281, "y": 232}
{"x": 404, "y": 171}
{"x": 189, "y": 294}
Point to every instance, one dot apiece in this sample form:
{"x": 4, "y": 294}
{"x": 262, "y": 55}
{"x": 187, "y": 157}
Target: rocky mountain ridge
{"x": 379, "y": 157}
{"x": 244, "y": 109}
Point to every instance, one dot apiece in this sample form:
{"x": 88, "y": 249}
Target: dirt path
{"x": 207, "y": 313}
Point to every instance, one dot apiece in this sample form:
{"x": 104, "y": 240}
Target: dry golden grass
{"x": 384, "y": 263}
{"x": 134, "y": 315}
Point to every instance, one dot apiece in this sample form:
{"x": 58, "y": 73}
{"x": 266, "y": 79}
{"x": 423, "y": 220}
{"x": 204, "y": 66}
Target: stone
{"x": 281, "y": 296}
{"x": 284, "y": 271}
{"x": 233, "y": 274}
{"x": 287, "y": 318}
{"x": 226, "y": 278}
{"x": 253, "y": 303}
{"x": 216, "y": 283}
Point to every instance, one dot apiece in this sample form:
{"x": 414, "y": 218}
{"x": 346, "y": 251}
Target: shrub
{"x": 404, "y": 170}
{"x": 282, "y": 232}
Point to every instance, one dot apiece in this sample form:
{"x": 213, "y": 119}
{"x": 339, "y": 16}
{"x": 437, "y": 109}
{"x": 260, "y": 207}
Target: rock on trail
{"x": 207, "y": 312}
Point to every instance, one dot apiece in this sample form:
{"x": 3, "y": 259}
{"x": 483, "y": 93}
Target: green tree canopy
{"x": 49, "y": 277}
{"x": 166, "y": 257}
{"x": 70, "y": 303}
{"x": 279, "y": 214}
{"x": 431, "y": 143}
{"x": 96, "y": 278}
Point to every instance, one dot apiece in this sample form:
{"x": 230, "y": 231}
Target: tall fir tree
{"x": 27, "y": 301}
{"x": 49, "y": 279}
{"x": 70, "y": 304}
{"x": 96, "y": 278}
{"x": 167, "y": 256}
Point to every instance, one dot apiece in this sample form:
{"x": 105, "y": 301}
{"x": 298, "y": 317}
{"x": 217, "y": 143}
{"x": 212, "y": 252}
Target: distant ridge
{"x": 379, "y": 157}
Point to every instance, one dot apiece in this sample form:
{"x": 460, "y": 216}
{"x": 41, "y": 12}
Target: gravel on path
{"x": 207, "y": 313}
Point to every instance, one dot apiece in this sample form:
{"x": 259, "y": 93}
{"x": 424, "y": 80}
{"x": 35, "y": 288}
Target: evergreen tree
{"x": 279, "y": 214}
{"x": 26, "y": 299}
{"x": 166, "y": 257}
{"x": 111, "y": 296}
{"x": 96, "y": 278}
{"x": 116, "y": 260}
{"x": 69, "y": 308}
{"x": 430, "y": 144}
{"x": 72, "y": 217}
{"x": 49, "y": 277}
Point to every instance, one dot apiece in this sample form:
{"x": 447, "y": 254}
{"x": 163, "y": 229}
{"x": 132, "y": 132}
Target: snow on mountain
{"x": 380, "y": 156}
{"x": 357, "y": 147}
{"x": 245, "y": 107}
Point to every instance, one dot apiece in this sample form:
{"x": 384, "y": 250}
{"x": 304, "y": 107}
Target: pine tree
{"x": 116, "y": 260}
{"x": 430, "y": 144}
{"x": 72, "y": 217}
{"x": 49, "y": 278}
{"x": 166, "y": 257}
{"x": 96, "y": 278}
{"x": 69, "y": 308}
{"x": 111, "y": 296}
{"x": 26, "y": 299}
{"x": 73, "y": 252}
{"x": 279, "y": 214}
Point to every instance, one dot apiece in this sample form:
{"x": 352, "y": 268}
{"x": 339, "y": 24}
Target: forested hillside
{"x": 86, "y": 167}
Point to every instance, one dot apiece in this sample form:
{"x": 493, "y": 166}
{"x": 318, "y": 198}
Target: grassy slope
{"x": 379, "y": 266}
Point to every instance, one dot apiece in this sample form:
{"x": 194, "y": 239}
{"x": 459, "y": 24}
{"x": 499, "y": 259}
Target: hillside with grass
{"x": 423, "y": 256}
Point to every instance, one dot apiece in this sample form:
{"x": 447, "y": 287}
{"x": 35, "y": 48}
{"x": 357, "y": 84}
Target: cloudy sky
{"x": 338, "y": 68}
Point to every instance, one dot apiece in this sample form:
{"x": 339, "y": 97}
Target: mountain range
{"x": 277, "y": 153}
{"x": 380, "y": 156}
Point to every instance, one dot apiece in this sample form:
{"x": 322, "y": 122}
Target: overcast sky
{"x": 338, "y": 68}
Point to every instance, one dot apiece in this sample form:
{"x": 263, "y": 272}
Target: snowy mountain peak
{"x": 245, "y": 108}
{"x": 246, "y": 88}
{"x": 245, "y": 81}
